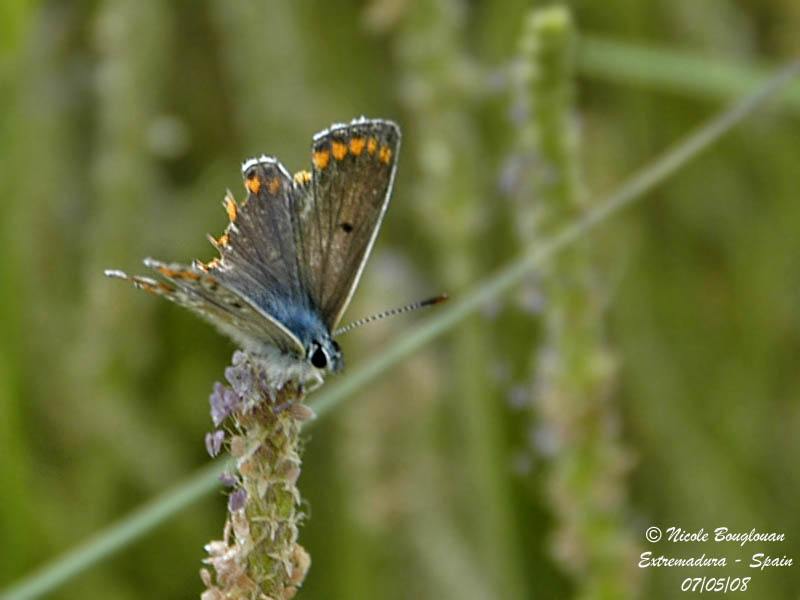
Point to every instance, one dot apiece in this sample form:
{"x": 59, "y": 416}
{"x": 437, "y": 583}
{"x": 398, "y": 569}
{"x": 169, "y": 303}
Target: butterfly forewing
{"x": 339, "y": 210}
{"x": 257, "y": 252}
{"x": 258, "y": 258}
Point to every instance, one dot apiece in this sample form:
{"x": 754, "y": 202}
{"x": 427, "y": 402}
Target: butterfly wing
{"x": 258, "y": 256}
{"x": 240, "y": 292}
{"x": 339, "y": 209}
{"x": 204, "y": 295}
{"x": 295, "y": 246}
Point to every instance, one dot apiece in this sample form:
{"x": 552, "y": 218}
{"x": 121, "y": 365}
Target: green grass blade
{"x": 116, "y": 536}
{"x": 147, "y": 517}
{"x": 674, "y": 70}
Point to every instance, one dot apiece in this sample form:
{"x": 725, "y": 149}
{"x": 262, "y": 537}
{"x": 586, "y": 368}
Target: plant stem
{"x": 259, "y": 556}
{"x": 578, "y": 421}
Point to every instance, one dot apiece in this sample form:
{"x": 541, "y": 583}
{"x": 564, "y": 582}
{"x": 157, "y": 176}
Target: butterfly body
{"x": 294, "y": 250}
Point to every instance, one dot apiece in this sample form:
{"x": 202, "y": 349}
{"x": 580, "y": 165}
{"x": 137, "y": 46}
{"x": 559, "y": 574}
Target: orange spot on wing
{"x": 253, "y": 184}
{"x": 173, "y": 274}
{"x": 143, "y": 285}
{"x": 357, "y": 145}
{"x": 339, "y": 150}
{"x": 223, "y": 240}
{"x": 273, "y": 185}
{"x": 385, "y": 155}
{"x": 321, "y": 159}
{"x": 230, "y": 208}
{"x": 302, "y": 177}
{"x": 213, "y": 263}
{"x": 372, "y": 145}
{"x": 167, "y": 272}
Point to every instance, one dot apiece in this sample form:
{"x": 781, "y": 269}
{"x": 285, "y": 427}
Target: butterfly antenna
{"x": 390, "y": 313}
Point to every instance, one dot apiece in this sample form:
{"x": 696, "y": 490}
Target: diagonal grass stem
{"x": 672, "y": 70}
{"x": 116, "y": 536}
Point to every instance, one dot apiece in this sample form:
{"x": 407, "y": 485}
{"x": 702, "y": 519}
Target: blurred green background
{"x": 647, "y": 377}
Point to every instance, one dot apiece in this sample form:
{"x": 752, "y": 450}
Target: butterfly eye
{"x": 318, "y": 358}
{"x": 251, "y": 173}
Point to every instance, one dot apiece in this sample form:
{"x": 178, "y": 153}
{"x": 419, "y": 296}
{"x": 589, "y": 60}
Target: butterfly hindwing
{"x": 340, "y": 207}
{"x": 209, "y": 298}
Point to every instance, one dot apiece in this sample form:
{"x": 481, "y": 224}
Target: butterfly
{"x": 294, "y": 250}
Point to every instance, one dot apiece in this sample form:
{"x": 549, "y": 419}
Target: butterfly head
{"x": 325, "y": 353}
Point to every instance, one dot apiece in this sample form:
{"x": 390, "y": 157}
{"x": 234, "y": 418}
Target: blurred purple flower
{"x": 214, "y": 442}
{"x": 241, "y": 380}
{"x": 237, "y": 499}
{"x": 520, "y": 396}
{"x": 511, "y": 172}
{"x": 228, "y": 479}
{"x": 239, "y": 358}
{"x": 223, "y": 401}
